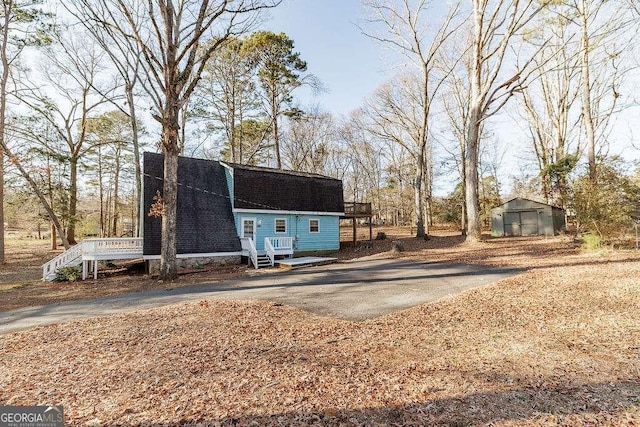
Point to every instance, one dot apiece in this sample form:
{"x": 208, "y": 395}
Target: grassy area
{"x": 24, "y": 258}
{"x": 556, "y": 345}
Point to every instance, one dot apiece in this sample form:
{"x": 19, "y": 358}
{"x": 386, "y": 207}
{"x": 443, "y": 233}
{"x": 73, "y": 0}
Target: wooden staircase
{"x": 263, "y": 260}
{"x": 274, "y": 246}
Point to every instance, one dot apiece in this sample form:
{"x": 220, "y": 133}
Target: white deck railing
{"x": 271, "y": 251}
{"x": 112, "y": 248}
{"x": 249, "y": 246}
{"x": 278, "y": 246}
{"x": 72, "y": 256}
{"x": 93, "y": 250}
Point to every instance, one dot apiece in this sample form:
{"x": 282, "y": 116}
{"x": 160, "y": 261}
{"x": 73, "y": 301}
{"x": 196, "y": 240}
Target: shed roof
{"x": 274, "y": 189}
{"x": 523, "y": 199}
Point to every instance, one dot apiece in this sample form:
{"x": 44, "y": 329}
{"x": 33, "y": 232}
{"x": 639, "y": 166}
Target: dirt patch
{"x": 557, "y": 345}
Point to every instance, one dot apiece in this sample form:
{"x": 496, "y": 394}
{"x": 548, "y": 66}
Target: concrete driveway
{"x": 353, "y": 290}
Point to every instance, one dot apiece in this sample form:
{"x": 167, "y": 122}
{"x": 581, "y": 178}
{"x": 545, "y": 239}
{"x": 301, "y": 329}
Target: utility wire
{"x": 217, "y": 194}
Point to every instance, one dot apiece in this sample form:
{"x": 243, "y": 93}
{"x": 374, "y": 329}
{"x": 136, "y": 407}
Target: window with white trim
{"x": 314, "y": 225}
{"x": 281, "y": 226}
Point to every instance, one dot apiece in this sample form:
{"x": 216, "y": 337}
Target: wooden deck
{"x": 355, "y": 211}
{"x": 306, "y": 261}
{"x": 90, "y": 251}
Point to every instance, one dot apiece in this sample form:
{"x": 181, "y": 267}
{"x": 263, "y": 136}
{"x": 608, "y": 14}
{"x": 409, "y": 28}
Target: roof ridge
{"x": 274, "y": 170}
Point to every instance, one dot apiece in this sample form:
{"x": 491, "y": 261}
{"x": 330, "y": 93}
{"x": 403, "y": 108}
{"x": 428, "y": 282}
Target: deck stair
{"x": 69, "y": 258}
{"x": 263, "y": 260}
{"x": 273, "y": 247}
{"x": 89, "y": 252}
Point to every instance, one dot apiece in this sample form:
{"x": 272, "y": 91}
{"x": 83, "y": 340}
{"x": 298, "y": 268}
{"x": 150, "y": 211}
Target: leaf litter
{"x": 556, "y": 345}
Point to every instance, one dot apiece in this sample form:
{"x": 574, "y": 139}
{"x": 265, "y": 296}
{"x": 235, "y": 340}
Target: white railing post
{"x": 271, "y": 253}
{"x": 94, "y": 249}
{"x": 63, "y": 259}
{"x": 248, "y": 245}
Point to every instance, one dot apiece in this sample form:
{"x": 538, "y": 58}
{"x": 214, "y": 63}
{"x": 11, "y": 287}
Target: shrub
{"x": 68, "y": 274}
{"x": 604, "y": 208}
{"x": 591, "y": 242}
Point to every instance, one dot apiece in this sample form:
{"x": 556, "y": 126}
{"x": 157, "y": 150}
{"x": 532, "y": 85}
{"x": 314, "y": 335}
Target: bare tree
{"x": 127, "y": 64}
{"x": 308, "y": 140}
{"x": 396, "y": 193}
{"x": 550, "y": 106}
{"x": 21, "y": 25}
{"x": 110, "y": 133}
{"x": 406, "y": 31}
{"x": 363, "y": 177}
{"x": 496, "y": 26}
{"x": 170, "y": 36}
{"x": 602, "y": 41}
{"x": 44, "y": 194}
{"x": 70, "y": 70}
{"x": 455, "y": 100}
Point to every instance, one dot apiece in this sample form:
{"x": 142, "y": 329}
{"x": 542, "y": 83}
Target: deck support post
{"x": 355, "y": 224}
{"x": 353, "y": 211}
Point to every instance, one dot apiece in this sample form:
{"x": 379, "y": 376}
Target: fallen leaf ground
{"x": 556, "y": 345}
{"x": 21, "y": 284}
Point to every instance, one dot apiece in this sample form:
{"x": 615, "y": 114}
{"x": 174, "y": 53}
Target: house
{"x": 226, "y": 211}
{"x": 524, "y": 217}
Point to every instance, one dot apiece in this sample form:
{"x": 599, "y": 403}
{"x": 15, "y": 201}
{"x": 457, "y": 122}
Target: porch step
{"x": 263, "y": 261}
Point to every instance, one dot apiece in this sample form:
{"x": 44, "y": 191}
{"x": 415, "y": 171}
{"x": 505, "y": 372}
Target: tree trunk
{"x": 231, "y": 121}
{"x": 417, "y": 195}
{"x": 101, "y": 193}
{"x": 276, "y": 137}
{"x": 3, "y": 109}
{"x": 426, "y": 193}
{"x": 463, "y": 213}
{"x": 73, "y": 200}
{"x": 471, "y": 158}
{"x": 240, "y": 138}
{"x": 168, "y": 260}
{"x": 116, "y": 183}
{"x": 54, "y": 237}
{"x": 586, "y": 95}
{"x": 2, "y": 259}
{"x": 136, "y": 158}
{"x": 45, "y": 204}
{"x": 474, "y": 229}
{"x": 463, "y": 217}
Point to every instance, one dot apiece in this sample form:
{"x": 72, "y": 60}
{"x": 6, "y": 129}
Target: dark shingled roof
{"x": 273, "y": 189}
{"x": 205, "y": 221}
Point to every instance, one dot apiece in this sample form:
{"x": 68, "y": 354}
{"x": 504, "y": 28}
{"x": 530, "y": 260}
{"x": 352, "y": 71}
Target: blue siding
{"x": 328, "y": 237}
{"x": 297, "y": 225}
{"x": 228, "y": 173}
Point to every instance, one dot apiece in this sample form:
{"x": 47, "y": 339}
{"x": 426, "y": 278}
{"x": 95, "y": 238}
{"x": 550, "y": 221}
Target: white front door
{"x": 249, "y": 228}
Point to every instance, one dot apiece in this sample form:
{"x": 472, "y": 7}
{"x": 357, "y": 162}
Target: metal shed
{"x": 524, "y": 217}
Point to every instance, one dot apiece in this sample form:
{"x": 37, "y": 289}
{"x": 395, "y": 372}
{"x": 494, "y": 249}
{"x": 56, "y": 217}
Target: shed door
{"x": 529, "y": 223}
{"x": 523, "y": 223}
{"x": 512, "y": 224}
